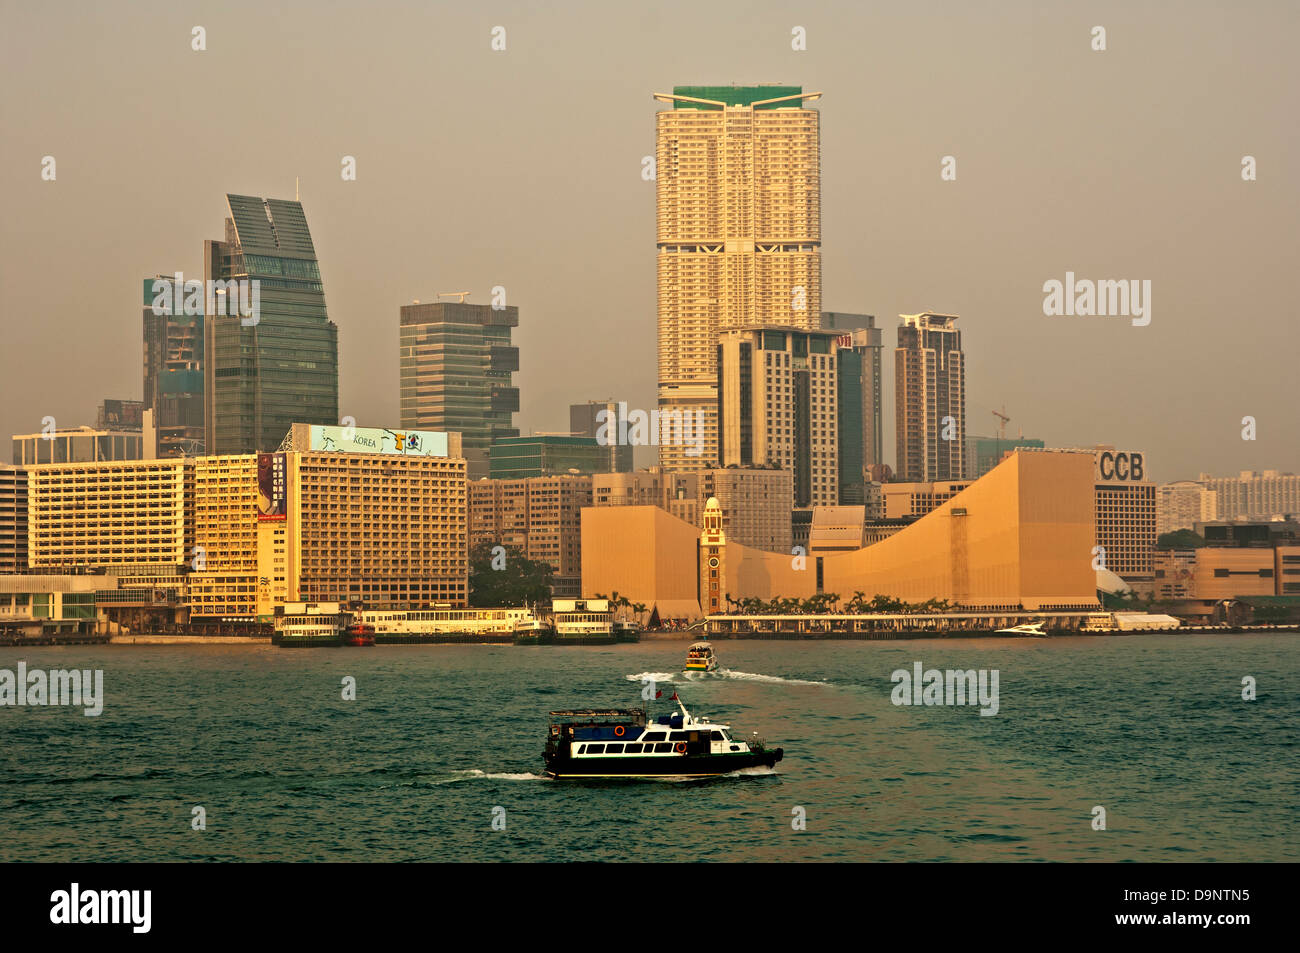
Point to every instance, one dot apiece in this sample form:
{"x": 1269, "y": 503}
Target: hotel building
{"x": 778, "y": 406}
{"x": 13, "y": 519}
{"x": 930, "y": 399}
{"x": 738, "y": 233}
{"x": 457, "y": 369}
{"x": 128, "y": 517}
{"x": 368, "y": 516}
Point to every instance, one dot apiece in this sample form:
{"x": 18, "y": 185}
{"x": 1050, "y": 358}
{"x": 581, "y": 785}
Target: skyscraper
{"x": 586, "y": 420}
{"x": 779, "y": 397}
{"x": 859, "y": 332}
{"x": 930, "y": 399}
{"x": 738, "y": 185}
{"x": 173, "y": 373}
{"x": 457, "y": 369}
{"x": 270, "y": 349}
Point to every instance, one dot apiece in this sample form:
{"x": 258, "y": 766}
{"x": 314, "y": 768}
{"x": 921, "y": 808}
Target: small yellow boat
{"x": 700, "y": 658}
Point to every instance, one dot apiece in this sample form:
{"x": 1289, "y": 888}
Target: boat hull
{"x": 684, "y": 766}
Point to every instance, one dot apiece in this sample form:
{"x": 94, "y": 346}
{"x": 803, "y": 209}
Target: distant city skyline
{"x": 1122, "y": 164}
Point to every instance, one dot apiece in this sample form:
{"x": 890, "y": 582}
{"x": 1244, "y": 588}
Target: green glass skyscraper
{"x": 270, "y": 349}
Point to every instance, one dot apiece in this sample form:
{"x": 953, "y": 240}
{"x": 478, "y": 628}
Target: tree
{"x": 521, "y": 581}
{"x": 1180, "y": 539}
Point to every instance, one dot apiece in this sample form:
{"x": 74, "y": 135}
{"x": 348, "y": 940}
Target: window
{"x": 595, "y": 749}
{"x": 632, "y": 748}
{"x": 716, "y": 736}
{"x": 581, "y": 748}
{"x": 677, "y": 736}
{"x": 656, "y": 736}
{"x": 614, "y": 749}
{"x": 663, "y": 746}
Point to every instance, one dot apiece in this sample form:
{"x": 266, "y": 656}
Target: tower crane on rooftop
{"x": 1003, "y": 420}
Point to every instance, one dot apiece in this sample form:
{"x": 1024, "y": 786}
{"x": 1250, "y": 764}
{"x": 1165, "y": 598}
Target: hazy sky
{"x": 522, "y": 168}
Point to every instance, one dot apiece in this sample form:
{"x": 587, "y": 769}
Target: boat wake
{"x": 641, "y": 677}
{"x": 474, "y": 774}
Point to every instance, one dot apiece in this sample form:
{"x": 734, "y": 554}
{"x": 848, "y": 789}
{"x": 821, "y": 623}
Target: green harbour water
{"x": 1152, "y": 728}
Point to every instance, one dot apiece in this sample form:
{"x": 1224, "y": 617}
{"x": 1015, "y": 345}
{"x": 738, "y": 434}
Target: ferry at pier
{"x": 443, "y": 624}
{"x": 309, "y": 624}
{"x": 700, "y": 658}
{"x": 583, "y": 622}
{"x": 621, "y": 743}
{"x": 359, "y": 633}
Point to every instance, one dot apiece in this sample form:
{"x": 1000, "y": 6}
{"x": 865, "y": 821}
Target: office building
{"x": 930, "y": 399}
{"x": 515, "y": 458}
{"x": 119, "y": 414}
{"x": 605, "y": 420}
{"x": 984, "y": 453}
{"x": 738, "y": 234}
{"x": 858, "y": 333}
{"x": 457, "y": 369}
{"x": 778, "y": 406}
{"x": 1126, "y": 516}
{"x": 173, "y": 372}
{"x": 270, "y": 352}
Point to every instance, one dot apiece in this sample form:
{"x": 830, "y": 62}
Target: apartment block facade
{"x": 738, "y": 234}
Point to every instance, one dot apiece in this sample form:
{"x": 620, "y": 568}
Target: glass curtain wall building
{"x": 272, "y": 360}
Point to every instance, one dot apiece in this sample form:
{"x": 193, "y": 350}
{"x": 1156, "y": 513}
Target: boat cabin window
{"x": 595, "y": 749}
{"x": 656, "y": 735}
{"x": 632, "y": 748}
{"x": 716, "y": 736}
{"x": 677, "y": 736}
{"x": 663, "y": 746}
{"x": 581, "y": 748}
{"x": 613, "y": 749}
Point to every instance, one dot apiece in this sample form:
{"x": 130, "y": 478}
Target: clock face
{"x": 713, "y": 562}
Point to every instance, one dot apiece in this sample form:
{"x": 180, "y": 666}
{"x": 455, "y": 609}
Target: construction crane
{"x": 454, "y": 294}
{"x": 1002, "y": 426}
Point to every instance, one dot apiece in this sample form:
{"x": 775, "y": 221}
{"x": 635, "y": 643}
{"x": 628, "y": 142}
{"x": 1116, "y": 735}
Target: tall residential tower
{"x": 738, "y": 185}
{"x": 930, "y": 399}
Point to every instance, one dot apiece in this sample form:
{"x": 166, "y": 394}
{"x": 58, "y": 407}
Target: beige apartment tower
{"x": 738, "y": 185}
